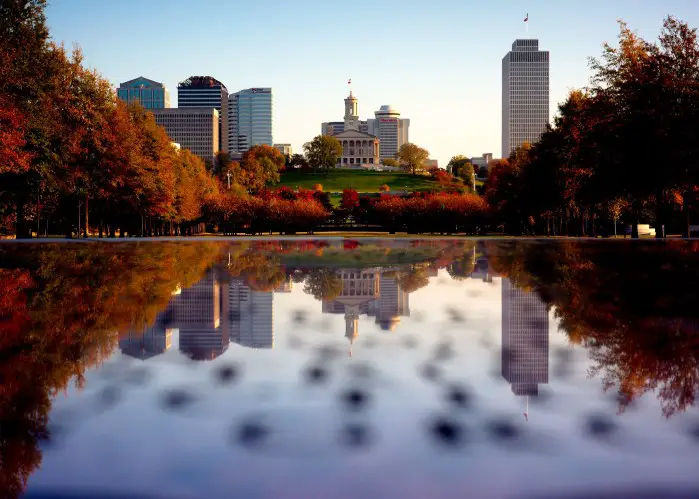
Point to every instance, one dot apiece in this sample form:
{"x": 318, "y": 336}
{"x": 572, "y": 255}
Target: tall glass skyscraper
{"x": 250, "y": 119}
{"x": 150, "y": 94}
{"x": 525, "y": 94}
{"x": 206, "y": 91}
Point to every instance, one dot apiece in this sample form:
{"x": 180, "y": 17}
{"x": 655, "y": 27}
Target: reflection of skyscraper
{"x": 151, "y": 342}
{"x": 250, "y": 315}
{"x": 391, "y": 305}
{"x": 525, "y": 339}
{"x": 196, "y": 312}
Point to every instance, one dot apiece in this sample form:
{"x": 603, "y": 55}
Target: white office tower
{"x": 391, "y": 130}
{"x": 525, "y": 94}
{"x": 250, "y": 315}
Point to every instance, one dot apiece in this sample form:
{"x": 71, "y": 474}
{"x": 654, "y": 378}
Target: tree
{"x": 323, "y": 152}
{"x": 222, "y": 162}
{"x": 323, "y": 284}
{"x": 390, "y": 162}
{"x": 260, "y": 166}
{"x": 412, "y": 157}
{"x": 298, "y": 161}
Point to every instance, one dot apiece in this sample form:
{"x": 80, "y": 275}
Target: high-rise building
{"x": 150, "y": 94}
{"x": 149, "y": 343}
{"x": 196, "y": 312}
{"x": 206, "y": 91}
{"x": 285, "y": 149}
{"x": 194, "y": 128}
{"x": 250, "y": 315}
{"x": 525, "y": 94}
{"x": 391, "y": 130}
{"x": 525, "y": 339}
{"x": 250, "y": 119}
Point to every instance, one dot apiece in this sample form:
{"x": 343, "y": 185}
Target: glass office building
{"x": 525, "y": 94}
{"x": 206, "y": 91}
{"x": 250, "y": 119}
{"x": 150, "y": 94}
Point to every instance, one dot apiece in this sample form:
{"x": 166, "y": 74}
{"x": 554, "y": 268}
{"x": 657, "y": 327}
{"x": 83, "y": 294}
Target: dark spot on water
{"x": 694, "y": 432}
{"x": 430, "y": 372}
{"x": 447, "y": 431}
{"x": 226, "y": 374}
{"x": 355, "y": 399}
{"x": 109, "y": 396}
{"x": 177, "y": 399}
{"x": 299, "y": 316}
{"x": 599, "y": 426}
{"x": 369, "y": 343}
{"x": 503, "y": 431}
{"x": 363, "y": 371}
{"x": 458, "y": 397}
{"x": 410, "y": 342}
{"x": 444, "y": 352}
{"x": 52, "y": 436}
{"x": 355, "y": 435}
{"x": 295, "y": 343}
{"x": 138, "y": 376}
{"x": 328, "y": 352}
{"x": 251, "y": 434}
{"x": 455, "y": 315}
{"x": 316, "y": 375}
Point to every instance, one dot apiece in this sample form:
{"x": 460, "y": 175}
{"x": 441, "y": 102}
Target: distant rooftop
{"x": 201, "y": 82}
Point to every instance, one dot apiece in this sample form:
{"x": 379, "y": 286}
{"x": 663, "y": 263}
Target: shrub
{"x": 318, "y": 187}
{"x": 384, "y": 188}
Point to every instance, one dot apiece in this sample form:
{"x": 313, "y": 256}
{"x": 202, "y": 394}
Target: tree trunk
{"x": 87, "y": 225}
{"x": 21, "y": 225}
{"x": 659, "y": 215}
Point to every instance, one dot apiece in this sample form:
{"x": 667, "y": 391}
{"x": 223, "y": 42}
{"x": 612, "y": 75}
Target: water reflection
{"x": 67, "y": 309}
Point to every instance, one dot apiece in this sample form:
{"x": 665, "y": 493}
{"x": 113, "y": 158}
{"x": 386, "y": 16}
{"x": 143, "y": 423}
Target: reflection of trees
{"x": 323, "y": 284}
{"x": 621, "y": 301}
{"x": 262, "y": 271}
{"x": 61, "y": 308}
{"x": 412, "y": 278}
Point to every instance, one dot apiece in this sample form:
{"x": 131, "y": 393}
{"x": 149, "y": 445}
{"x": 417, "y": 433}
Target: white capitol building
{"x": 366, "y": 143}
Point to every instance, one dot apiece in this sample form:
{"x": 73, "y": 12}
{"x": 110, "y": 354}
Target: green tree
{"x": 323, "y": 284}
{"x": 298, "y": 161}
{"x": 323, "y": 152}
{"x": 412, "y": 157}
{"x": 390, "y": 162}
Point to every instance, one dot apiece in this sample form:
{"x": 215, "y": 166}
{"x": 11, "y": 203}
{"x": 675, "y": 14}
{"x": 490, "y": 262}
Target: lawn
{"x": 361, "y": 181}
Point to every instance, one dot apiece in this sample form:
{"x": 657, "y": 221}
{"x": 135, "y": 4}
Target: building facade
{"x": 359, "y": 149}
{"x": 206, "y": 91}
{"x": 250, "y": 315}
{"x": 150, "y": 94}
{"x": 250, "y": 119}
{"x": 525, "y": 339}
{"x": 391, "y": 130}
{"x": 285, "y": 149}
{"x": 525, "y": 94}
{"x": 193, "y": 128}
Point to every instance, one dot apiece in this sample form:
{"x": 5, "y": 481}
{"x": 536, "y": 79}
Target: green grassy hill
{"x": 361, "y": 181}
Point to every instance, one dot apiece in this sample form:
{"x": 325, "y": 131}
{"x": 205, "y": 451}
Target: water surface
{"x": 343, "y": 368}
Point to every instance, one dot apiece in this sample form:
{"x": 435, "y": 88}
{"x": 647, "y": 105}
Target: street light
{"x": 228, "y": 174}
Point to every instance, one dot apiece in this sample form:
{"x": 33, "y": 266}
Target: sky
{"x": 438, "y": 62}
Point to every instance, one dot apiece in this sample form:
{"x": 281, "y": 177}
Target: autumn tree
{"x": 390, "y": 162}
{"x": 323, "y": 152}
{"x": 412, "y": 157}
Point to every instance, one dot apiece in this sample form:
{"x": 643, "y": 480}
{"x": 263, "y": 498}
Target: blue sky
{"x": 438, "y": 62}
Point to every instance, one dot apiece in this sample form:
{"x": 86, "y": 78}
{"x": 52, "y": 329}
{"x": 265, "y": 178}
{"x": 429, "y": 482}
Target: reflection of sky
{"x": 138, "y": 446}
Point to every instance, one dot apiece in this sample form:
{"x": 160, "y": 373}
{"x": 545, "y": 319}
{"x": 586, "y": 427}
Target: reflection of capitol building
{"x": 525, "y": 339}
{"x": 368, "y": 292}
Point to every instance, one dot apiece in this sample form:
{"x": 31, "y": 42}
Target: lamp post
{"x": 228, "y": 174}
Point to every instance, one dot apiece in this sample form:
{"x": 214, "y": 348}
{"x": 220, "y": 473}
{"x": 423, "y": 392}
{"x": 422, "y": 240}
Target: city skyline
{"x": 451, "y": 81}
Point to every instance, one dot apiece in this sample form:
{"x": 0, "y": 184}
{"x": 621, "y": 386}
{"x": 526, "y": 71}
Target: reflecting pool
{"x": 349, "y": 368}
